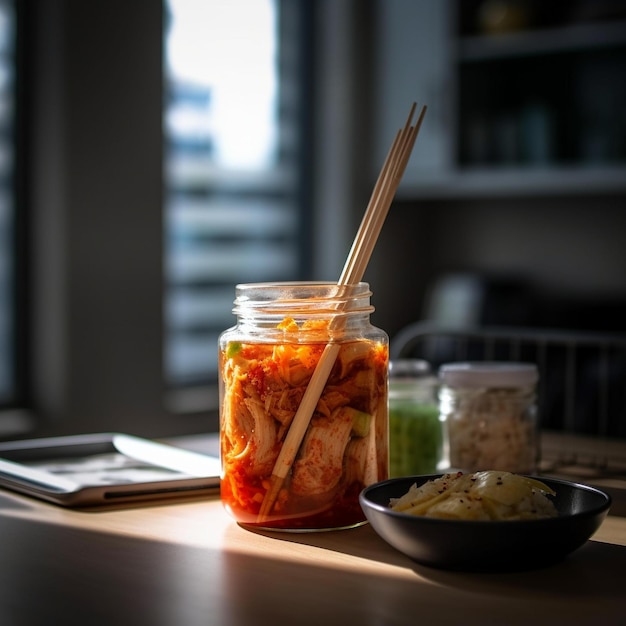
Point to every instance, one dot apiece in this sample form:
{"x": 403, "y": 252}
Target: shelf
{"x": 572, "y": 38}
{"x": 506, "y": 181}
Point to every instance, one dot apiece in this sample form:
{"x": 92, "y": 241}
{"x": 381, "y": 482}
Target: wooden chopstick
{"x": 353, "y": 271}
{"x": 380, "y": 202}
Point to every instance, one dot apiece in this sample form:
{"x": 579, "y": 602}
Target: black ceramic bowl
{"x": 487, "y": 545}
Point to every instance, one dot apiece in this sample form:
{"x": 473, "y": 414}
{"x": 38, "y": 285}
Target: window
{"x": 121, "y": 233}
{"x": 233, "y": 168}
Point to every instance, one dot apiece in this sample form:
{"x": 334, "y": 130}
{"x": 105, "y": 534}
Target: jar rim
{"x": 287, "y": 297}
{"x": 305, "y": 284}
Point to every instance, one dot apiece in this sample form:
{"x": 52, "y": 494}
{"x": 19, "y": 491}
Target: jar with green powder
{"x": 415, "y": 431}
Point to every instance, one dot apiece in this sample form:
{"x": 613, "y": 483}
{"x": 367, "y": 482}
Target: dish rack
{"x": 582, "y": 383}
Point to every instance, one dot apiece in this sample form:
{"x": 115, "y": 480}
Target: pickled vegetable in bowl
{"x": 486, "y": 545}
{"x": 487, "y": 495}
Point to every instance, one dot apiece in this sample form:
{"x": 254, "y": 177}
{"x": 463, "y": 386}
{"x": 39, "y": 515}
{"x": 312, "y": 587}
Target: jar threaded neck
{"x": 286, "y": 299}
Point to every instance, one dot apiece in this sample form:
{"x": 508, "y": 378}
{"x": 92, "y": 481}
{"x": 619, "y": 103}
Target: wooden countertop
{"x": 188, "y": 563}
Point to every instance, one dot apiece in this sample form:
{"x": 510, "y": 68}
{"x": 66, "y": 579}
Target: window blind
{"x": 233, "y": 168}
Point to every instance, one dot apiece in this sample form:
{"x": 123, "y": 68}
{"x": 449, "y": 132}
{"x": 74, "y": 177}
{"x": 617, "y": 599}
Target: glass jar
{"x": 302, "y": 470}
{"x": 415, "y": 434}
{"x": 490, "y": 415}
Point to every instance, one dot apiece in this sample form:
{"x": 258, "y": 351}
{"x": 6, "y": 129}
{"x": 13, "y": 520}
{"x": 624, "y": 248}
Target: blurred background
{"x": 154, "y": 154}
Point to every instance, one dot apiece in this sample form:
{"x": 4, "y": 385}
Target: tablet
{"x": 104, "y": 468}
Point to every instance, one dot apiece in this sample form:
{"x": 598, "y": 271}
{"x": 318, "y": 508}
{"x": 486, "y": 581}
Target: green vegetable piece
{"x": 360, "y": 422}
{"x": 233, "y": 348}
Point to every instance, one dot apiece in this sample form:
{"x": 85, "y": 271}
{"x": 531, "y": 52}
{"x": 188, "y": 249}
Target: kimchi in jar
{"x": 266, "y": 364}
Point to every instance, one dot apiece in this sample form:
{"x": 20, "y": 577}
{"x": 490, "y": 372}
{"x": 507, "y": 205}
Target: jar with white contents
{"x": 490, "y": 413}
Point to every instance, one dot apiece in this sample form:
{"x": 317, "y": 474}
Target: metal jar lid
{"x": 489, "y": 374}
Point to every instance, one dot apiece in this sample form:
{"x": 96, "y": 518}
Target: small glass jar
{"x": 281, "y": 470}
{"x": 415, "y": 434}
{"x": 490, "y": 413}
